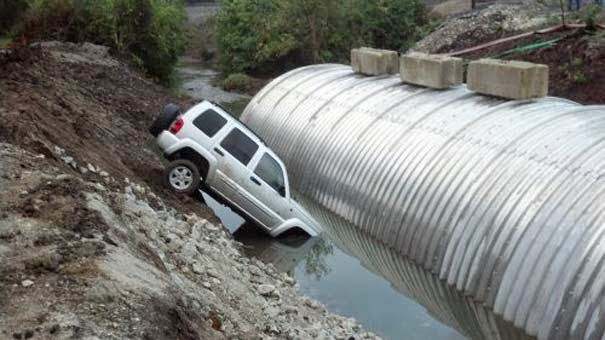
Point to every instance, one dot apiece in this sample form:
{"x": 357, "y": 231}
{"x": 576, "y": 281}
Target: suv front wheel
{"x": 182, "y": 176}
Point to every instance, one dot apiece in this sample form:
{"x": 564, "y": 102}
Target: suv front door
{"x": 271, "y": 187}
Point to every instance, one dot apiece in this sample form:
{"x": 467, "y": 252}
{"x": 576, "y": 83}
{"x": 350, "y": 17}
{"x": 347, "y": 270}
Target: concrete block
{"x": 374, "y": 62}
{"x": 508, "y": 79}
{"x": 431, "y": 70}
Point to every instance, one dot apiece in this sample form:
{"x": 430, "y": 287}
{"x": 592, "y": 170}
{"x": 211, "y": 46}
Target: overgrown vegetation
{"x": 590, "y": 14}
{"x": 237, "y": 82}
{"x": 256, "y": 36}
{"x": 149, "y": 32}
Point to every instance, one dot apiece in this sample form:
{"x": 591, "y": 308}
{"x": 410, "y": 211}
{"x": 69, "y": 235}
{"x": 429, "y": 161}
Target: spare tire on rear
{"x": 165, "y": 119}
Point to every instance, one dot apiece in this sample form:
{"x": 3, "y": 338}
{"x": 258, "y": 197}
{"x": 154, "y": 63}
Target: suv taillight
{"x": 177, "y": 126}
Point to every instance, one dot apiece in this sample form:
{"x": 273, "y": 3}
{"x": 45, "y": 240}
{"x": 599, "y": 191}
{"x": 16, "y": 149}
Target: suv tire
{"x": 165, "y": 119}
{"x": 182, "y": 176}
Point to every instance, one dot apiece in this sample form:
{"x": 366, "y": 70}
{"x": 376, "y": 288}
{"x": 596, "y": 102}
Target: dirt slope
{"x": 81, "y": 99}
{"x": 92, "y": 246}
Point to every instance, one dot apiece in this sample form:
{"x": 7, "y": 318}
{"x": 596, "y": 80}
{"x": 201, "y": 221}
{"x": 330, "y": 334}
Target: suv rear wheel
{"x": 182, "y": 176}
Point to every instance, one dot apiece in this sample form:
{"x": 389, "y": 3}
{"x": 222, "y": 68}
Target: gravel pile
{"x": 87, "y": 255}
{"x": 494, "y": 22}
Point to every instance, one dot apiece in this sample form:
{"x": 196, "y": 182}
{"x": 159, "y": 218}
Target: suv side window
{"x": 240, "y": 146}
{"x": 210, "y": 122}
{"x": 269, "y": 170}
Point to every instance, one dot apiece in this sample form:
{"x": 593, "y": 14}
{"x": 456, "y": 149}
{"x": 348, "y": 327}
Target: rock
{"x": 197, "y": 268}
{"x": 103, "y": 174}
{"x": 289, "y": 280}
{"x": 63, "y": 177}
{"x": 83, "y": 170}
{"x": 69, "y": 160}
{"x": 91, "y": 168}
{"x": 206, "y": 285}
{"x": 266, "y": 290}
{"x": 58, "y": 151}
{"x": 189, "y": 251}
{"x": 138, "y": 189}
{"x": 254, "y": 270}
{"x": 100, "y": 187}
{"x": 291, "y": 310}
{"x": 27, "y": 283}
{"x": 212, "y": 273}
{"x": 312, "y": 303}
{"x": 272, "y": 312}
{"x": 212, "y": 228}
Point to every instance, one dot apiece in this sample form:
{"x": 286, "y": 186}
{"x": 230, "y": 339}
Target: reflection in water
{"x": 366, "y": 280}
{"x": 443, "y": 302}
{"x": 287, "y": 252}
{"x": 315, "y": 261}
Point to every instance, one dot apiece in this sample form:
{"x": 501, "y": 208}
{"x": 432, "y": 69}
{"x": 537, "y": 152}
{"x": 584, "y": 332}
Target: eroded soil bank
{"x": 91, "y": 244}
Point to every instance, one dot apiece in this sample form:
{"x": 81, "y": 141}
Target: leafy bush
{"x": 151, "y": 32}
{"x": 250, "y": 35}
{"x": 260, "y": 35}
{"x": 591, "y": 14}
{"x": 237, "y": 82}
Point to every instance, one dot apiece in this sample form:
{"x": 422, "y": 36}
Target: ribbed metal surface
{"x": 441, "y": 300}
{"x": 502, "y": 199}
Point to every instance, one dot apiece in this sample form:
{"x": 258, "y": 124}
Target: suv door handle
{"x": 217, "y": 150}
{"x": 255, "y": 180}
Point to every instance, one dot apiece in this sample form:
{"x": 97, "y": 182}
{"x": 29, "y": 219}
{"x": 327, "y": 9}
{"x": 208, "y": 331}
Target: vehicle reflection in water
{"x": 286, "y": 252}
{"x": 355, "y": 275}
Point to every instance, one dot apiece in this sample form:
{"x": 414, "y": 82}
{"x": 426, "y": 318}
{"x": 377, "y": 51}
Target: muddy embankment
{"x": 91, "y": 244}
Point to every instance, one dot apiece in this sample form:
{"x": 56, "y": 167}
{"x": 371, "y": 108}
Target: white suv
{"x": 206, "y": 146}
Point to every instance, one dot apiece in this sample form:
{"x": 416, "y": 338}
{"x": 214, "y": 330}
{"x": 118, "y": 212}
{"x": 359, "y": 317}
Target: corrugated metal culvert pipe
{"x": 503, "y": 199}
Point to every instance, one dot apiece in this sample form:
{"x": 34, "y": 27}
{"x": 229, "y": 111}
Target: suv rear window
{"x": 240, "y": 146}
{"x": 210, "y": 122}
